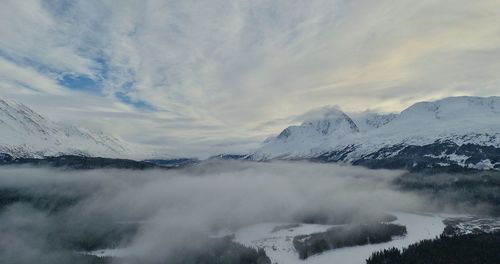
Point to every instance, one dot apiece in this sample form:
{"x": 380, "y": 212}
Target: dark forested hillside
{"x": 78, "y": 162}
{"x": 470, "y": 189}
{"x": 465, "y": 249}
{"x": 338, "y": 237}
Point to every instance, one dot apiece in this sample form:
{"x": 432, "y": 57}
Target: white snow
{"x": 110, "y": 252}
{"x": 25, "y": 133}
{"x": 368, "y": 121}
{"x": 279, "y": 248}
{"x": 461, "y": 120}
{"x": 483, "y": 164}
{"x": 278, "y": 245}
{"x": 471, "y": 225}
{"x": 310, "y": 137}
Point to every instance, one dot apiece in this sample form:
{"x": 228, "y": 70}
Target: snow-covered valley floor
{"x": 277, "y": 240}
{"x": 278, "y": 245}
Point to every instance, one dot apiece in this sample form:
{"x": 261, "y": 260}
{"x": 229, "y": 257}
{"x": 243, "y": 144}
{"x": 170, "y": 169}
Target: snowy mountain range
{"x": 456, "y": 132}
{"x": 26, "y": 134}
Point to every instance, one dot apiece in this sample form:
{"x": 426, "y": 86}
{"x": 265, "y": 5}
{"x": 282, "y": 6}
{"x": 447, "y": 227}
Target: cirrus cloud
{"x": 189, "y": 71}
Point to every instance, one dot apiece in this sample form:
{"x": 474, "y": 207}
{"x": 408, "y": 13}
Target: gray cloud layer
{"x": 217, "y": 69}
{"x": 175, "y": 204}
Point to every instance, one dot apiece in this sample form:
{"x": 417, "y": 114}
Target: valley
{"x": 334, "y": 189}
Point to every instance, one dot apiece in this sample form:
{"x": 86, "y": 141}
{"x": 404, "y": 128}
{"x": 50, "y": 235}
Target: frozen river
{"x": 278, "y": 245}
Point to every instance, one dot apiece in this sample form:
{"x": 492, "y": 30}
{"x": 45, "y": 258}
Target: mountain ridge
{"x": 26, "y": 134}
{"x": 449, "y": 125}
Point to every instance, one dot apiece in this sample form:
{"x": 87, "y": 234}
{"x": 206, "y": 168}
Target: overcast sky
{"x": 203, "y": 77}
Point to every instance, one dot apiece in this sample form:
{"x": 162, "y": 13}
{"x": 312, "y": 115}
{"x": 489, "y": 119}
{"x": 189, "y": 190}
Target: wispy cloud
{"x": 233, "y": 66}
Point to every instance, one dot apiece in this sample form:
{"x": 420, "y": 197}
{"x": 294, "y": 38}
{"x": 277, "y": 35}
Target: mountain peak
{"x": 331, "y": 122}
{"x": 452, "y": 106}
{"x": 312, "y": 135}
{"x": 452, "y": 114}
{"x": 445, "y": 132}
{"x": 25, "y": 133}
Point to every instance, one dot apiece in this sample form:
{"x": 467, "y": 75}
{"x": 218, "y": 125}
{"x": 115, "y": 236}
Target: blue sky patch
{"x": 81, "y": 82}
{"x": 124, "y": 98}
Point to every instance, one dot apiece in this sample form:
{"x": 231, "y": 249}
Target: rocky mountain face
{"x": 455, "y": 132}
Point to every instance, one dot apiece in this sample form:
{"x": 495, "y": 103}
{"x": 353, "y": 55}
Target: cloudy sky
{"x": 203, "y": 77}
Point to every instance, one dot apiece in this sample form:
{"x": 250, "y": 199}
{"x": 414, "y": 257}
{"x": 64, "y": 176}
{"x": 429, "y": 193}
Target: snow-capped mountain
{"x": 24, "y": 133}
{"x": 310, "y": 137}
{"x": 370, "y": 120}
{"x": 452, "y": 132}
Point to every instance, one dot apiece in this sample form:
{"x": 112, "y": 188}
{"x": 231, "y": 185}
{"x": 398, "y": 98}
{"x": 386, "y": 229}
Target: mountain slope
{"x": 24, "y": 133}
{"x": 310, "y": 137}
{"x": 369, "y": 120}
{"x": 459, "y": 132}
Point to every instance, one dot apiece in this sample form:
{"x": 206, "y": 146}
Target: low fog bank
{"x": 48, "y": 213}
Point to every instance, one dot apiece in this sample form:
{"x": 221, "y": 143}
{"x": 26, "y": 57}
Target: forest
{"x": 346, "y": 236}
{"x": 464, "y": 249}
